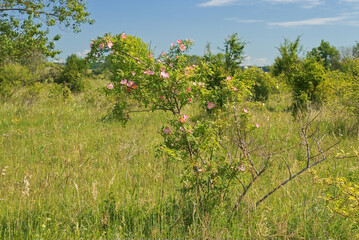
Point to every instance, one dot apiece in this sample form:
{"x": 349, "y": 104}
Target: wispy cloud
{"x": 302, "y": 3}
{"x": 83, "y": 54}
{"x": 244, "y": 20}
{"x": 256, "y": 61}
{"x": 311, "y": 22}
{"x": 218, "y": 3}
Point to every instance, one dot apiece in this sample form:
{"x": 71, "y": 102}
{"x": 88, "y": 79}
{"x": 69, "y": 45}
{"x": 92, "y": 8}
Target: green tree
{"x": 309, "y": 84}
{"x": 22, "y": 22}
{"x": 326, "y": 54}
{"x": 73, "y": 73}
{"x": 288, "y": 60}
{"x": 355, "y": 50}
{"x": 233, "y": 52}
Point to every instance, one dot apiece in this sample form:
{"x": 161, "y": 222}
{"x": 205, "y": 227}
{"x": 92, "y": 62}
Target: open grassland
{"x": 66, "y": 174}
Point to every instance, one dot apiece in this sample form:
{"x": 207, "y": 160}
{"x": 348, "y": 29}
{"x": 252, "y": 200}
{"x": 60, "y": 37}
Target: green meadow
{"x": 66, "y": 173}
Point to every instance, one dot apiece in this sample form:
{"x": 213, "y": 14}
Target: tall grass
{"x": 66, "y": 174}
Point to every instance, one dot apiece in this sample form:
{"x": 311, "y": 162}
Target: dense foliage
{"x": 22, "y": 31}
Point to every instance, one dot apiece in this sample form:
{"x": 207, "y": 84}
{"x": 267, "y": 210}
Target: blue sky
{"x": 263, "y": 24}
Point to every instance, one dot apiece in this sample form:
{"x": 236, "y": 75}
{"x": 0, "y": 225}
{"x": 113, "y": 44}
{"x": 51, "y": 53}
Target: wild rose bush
{"x": 211, "y": 143}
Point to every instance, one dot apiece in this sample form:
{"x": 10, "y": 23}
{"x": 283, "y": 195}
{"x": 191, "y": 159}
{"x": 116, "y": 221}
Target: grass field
{"x": 66, "y": 174}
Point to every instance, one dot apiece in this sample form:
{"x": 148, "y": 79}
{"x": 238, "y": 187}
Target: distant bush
{"x": 309, "y": 84}
{"x": 13, "y": 76}
{"x": 73, "y": 74}
{"x": 263, "y": 83}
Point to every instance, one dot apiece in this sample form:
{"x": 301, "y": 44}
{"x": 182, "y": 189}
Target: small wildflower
{"x": 241, "y": 168}
{"x": 183, "y": 47}
{"x": 133, "y": 73}
{"x": 179, "y": 41}
{"x": 167, "y": 130}
{"x": 228, "y": 78}
{"x": 245, "y": 110}
{"x": 235, "y": 89}
{"x": 129, "y": 83}
{"x": 164, "y": 74}
{"x": 185, "y": 117}
{"x": 190, "y": 100}
{"x": 257, "y": 125}
{"x": 211, "y": 105}
{"x": 110, "y": 86}
{"x": 124, "y": 82}
{"x": 109, "y": 44}
{"x": 134, "y": 86}
{"x": 161, "y": 97}
{"x": 151, "y": 56}
{"x": 101, "y": 46}
{"x": 123, "y": 35}
{"x": 188, "y": 89}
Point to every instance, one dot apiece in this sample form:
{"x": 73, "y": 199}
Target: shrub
{"x": 310, "y": 85}
{"x": 263, "y": 83}
{"x": 73, "y": 74}
{"x": 12, "y": 77}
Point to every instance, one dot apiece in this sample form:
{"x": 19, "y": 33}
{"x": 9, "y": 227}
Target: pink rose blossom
{"x": 183, "y": 47}
{"x": 235, "y": 89}
{"x": 110, "y": 86}
{"x": 109, "y": 44}
{"x": 228, "y": 78}
{"x": 257, "y": 125}
{"x": 167, "y": 130}
{"x": 101, "y": 46}
{"x": 179, "y": 41}
{"x": 164, "y": 74}
{"x": 133, "y": 73}
{"x": 129, "y": 83}
{"x": 124, "y": 81}
{"x": 211, "y": 105}
{"x": 185, "y": 117}
{"x": 190, "y": 100}
{"x": 123, "y": 35}
{"x": 188, "y": 89}
{"x": 245, "y": 110}
{"x": 151, "y": 56}
{"x": 241, "y": 167}
{"x": 161, "y": 97}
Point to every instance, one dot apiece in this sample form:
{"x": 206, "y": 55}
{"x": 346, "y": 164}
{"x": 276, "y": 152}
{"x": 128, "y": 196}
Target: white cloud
{"x": 302, "y": 3}
{"x": 218, "y": 3}
{"x": 310, "y": 22}
{"x": 244, "y": 20}
{"x": 249, "y": 61}
{"x": 83, "y": 54}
